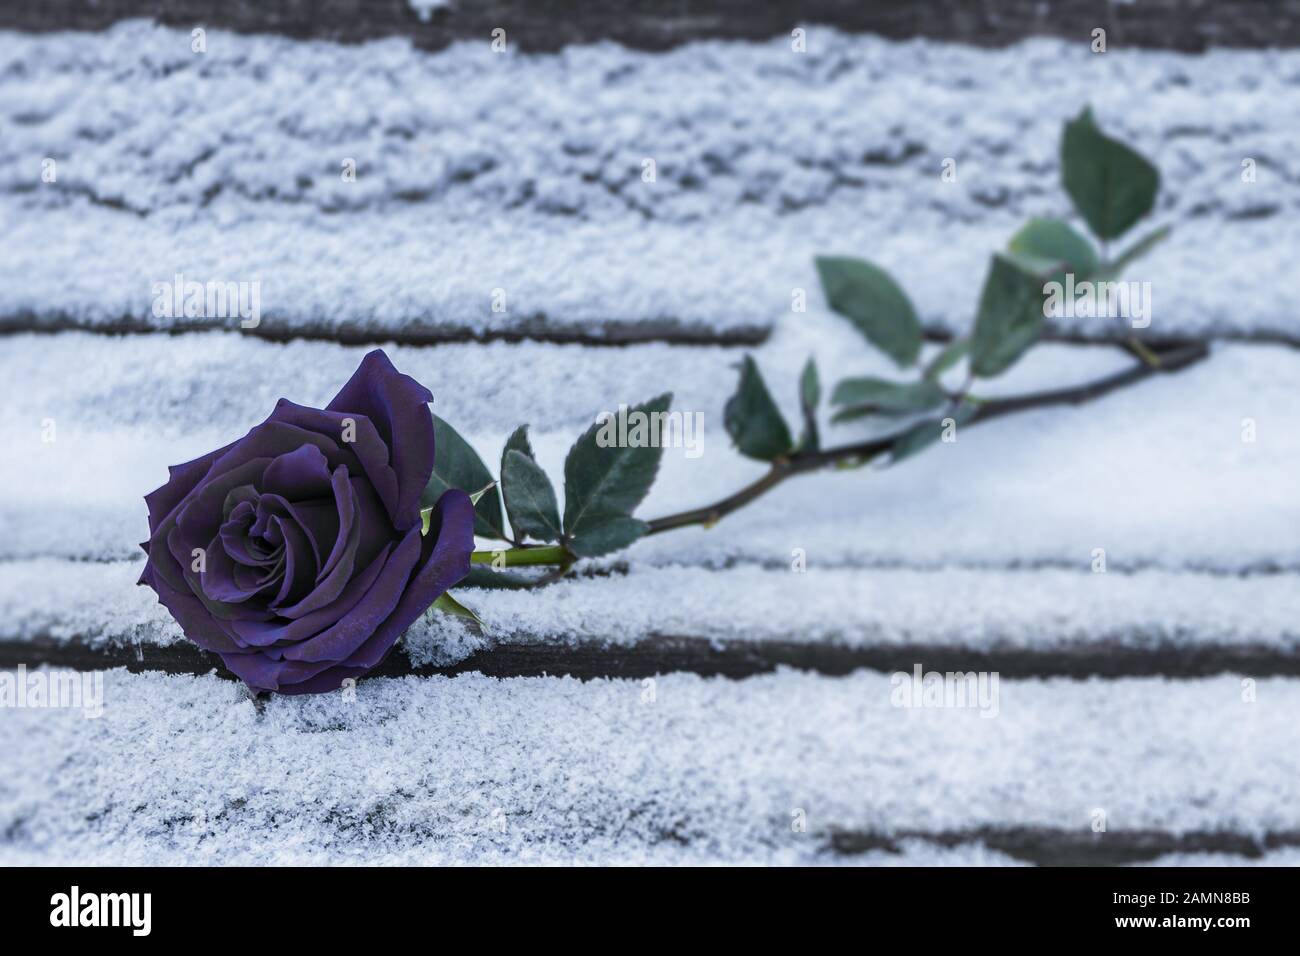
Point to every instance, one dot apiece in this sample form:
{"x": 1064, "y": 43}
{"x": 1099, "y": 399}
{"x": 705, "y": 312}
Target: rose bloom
{"x": 296, "y": 552}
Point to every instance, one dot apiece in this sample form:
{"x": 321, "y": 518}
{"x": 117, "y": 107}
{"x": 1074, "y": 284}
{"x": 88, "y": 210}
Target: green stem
{"x": 802, "y": 462}
{"x": 1139, "y": 348}
{"x": 523, "y": 557}
{"x": 805, "y": 461}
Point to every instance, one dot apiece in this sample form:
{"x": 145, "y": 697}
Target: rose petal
{"x": 298, "y": 475}
{"x": 261, "y": 673}
{"x": 199, "y": 516}
{"x": 237, "y": 541}
{"x": 218, "y": 578}
{"x": 162, "y": 501}
{"x": 366, "y": 454}
{"x": 444, "y": 561}
{"x": 339, "y": 640}
{"x": 299, "y": 564}
{"x": 198, "y": 625}
{"x": 349, "y": 553}
{"x": 398, "y": 406}
{"x": 267, "y": 633}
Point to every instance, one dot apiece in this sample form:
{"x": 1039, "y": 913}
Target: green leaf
{"x": 610, "y": 534}
{"x": 952, "y": 353}
{"x": 457, "y": 465}
{"x": 530, "y": 499}
{"x": 449, "y": 605}
{"x": 1057, "y": 244}
{"x": 604, "y": 482}
{"x": 854, "y": 412}
{"x": 867, "y": 296}
{"x": 1112, "y": 186}
{"x": 426, "y": 514}
{"x": 810, "y": 396}
{"x": 534, "y": 511}
{"x": 1138, "y": 250}
{"x": 518, "y": 441}
{"x": 1010, "y": 317}
{"x": 752, "y": 419}
{"x": 884, "y": 396}
{"x": 924, "y": 434}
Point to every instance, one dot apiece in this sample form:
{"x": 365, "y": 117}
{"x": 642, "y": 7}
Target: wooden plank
{"x": 667, "y": 654}
{"x": 554, "y": 330}
{"x": 1054, "y": 847}
{"x": 473, "y": 768}
{"x": 522, "y": 175}
{"x": 542, "y": 328}
{"x": 1175, "y": 487}
{"x": 545, "y": 25}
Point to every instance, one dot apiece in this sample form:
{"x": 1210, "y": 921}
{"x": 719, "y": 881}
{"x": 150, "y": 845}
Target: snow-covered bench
{"x": 703, "y": 696}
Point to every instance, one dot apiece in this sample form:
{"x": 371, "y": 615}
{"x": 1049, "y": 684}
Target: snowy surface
{"x": 1158, "y": 474}
{"x": 98, "y": 604}
{"x": 546, "y": 769}
{"x": 94, "y": 604}
{"x": 523, "y": 174}
{"x": 985, "y": 610}
{"x": 478, "y": 171}
{"x": 907, "y": 852}
{"x": 1289, "y": 856}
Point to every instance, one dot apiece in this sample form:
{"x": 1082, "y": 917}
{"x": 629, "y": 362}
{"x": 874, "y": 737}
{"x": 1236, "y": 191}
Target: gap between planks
{"x": 549, "y": 25}
{"x": 614, "y": 334}
{"x": 665, "y": 654}
{"x": 1056, "y": 847}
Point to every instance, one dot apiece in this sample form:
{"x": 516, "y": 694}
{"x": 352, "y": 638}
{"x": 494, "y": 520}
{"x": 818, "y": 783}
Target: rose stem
{"x": 1171, "y": 360}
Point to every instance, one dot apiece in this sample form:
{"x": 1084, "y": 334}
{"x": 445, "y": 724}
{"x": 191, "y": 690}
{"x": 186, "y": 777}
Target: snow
{"x": 523, "y": 174}
{"x": 1157, "y": 475}
{"x": 424, "y": 8}
{"x": 97, "y": 604}
{"x": 478, "y": 172}
{"x": 976, "y": 609}
{"x": 908, "y": 852}
{"x": 472, "y": 769}
{"x": 93, "y": 604}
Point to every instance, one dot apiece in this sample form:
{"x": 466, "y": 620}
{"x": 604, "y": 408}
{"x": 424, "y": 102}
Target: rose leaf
{"x": 610, "y": 533}
{"x": 1111, "y": 185}
{"x": 868, "y": 297}
{"x": 607, "y": 473}
{"x": 752, "y": 419}
{"x": 530, "y": 499}
{"x": 1056, "y": 242}
{"x": 457, "y": 465}
{"x": 449, "y": 605}
{"x": 1010, "y": 317}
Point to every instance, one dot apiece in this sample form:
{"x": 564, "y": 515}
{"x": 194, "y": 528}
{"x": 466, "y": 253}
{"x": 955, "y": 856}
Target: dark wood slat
{"x": 1054, "y": 847}
{"x": 545, "y": 25}
{"x": 614, "y": 333}
{"x": 603, "y": 334}
{"x": 665, "y": 654}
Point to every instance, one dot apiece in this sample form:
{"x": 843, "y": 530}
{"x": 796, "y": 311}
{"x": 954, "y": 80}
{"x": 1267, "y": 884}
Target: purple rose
{"x": 296, "y": 552}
